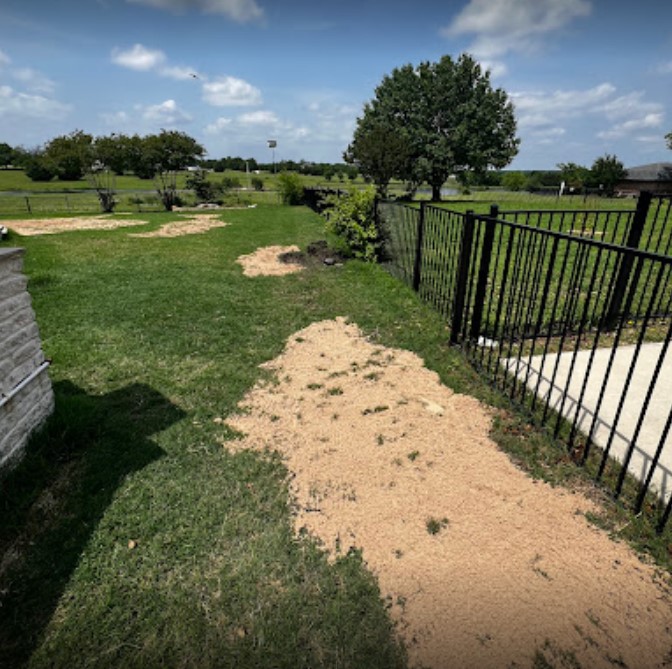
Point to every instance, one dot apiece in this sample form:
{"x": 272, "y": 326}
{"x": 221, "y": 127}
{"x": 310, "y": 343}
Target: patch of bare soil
{"x": 196, "y": 224}
{"x": 268, "y": 261}
{"x": 483, "y": 566}
{"x": 51, "y": 226}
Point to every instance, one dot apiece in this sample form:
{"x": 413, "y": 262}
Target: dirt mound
{"x": 196, "y": 224}
{"x": 317, "y": 253}
{"x": 268, "y": 261}
{"x": 483, "y": 566}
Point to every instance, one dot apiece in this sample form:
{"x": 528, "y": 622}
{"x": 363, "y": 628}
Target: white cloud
{"x": 265, "y": 118}
{"x": 180, "y": 73}
{"x": 218, "y": 126}
{"x": 231, "y": 92}
{"x": 513, "y": 25}
{"x": 15, "y": 103}
{"x": 34, "y": 81}
{"x": 548, "y": 135}
{"x": 541, "y": 108}
{"x": 238, "y": 10}
{"x": 142, "y": 59}
{"x": 633, "y": 113}
{"x": 651, "y": 139}
{"x": 627, "y": 127}
{"x": 629, "y": 105}
{"x": 138, "y": 57}
{"x": 165, "y": 113}
{"x": 248, "y": 126}
{"x": 541, "y": 114}
{"x": 334, "y": 121}
{"x": 665, "y": 68}
{"x": 116, "y": 119}
{"x": 496, "y": 67}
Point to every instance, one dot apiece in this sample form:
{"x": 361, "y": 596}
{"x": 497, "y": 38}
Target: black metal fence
{"x": 568, "y": 313}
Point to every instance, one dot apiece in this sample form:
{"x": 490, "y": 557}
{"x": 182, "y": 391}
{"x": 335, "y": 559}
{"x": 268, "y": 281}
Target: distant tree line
{"x": 329, "y": 171}
{"x": 603, "y": 176}
{"x": 71, "y": 157}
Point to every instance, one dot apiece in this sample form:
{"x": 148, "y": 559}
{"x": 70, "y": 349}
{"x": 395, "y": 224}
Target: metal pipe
{"x": 18, "y": 388}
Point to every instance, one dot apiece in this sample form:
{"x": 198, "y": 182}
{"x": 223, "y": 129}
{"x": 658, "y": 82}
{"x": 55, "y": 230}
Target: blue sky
{"x": 587, "y": 77}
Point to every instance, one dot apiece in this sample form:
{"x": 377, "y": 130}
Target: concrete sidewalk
{"x": 657, "y": 414}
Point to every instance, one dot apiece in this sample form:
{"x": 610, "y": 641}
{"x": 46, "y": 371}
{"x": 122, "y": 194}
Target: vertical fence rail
{"x": 561, "y": 310}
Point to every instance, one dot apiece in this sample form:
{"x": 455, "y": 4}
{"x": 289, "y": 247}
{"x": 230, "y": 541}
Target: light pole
{"x": 272, "y": 143}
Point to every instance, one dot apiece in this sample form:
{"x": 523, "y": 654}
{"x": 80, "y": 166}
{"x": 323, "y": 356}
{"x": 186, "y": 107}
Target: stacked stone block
{"x": 26, "y": 396}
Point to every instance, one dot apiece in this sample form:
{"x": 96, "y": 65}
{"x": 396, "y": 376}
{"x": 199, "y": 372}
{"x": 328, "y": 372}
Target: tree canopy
{"x": 70, "y": 155}
{"x": 606, "y": 172}
{"x": 668, "y": 138}
{"x": 439, "y": 119}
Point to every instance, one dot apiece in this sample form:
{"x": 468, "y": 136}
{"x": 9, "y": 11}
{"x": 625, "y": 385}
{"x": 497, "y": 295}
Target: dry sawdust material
{"x": 196, "y": 224}
{"x": 52, "y": 226}
{"x": 483, "y": 566}
{"x": 267, "y": 261}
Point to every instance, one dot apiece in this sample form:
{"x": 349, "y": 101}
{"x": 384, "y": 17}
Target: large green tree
{"x": 668, "y": 138}
{"x": 606, "y": 172}
{"x": 378, "y": 151}
{"x": 115, "y": 152}
{"x": 168, "y": 152}
{"x": 575, "y": 176}
{"x": 7, "y": 154}
{"x": 449, "y": 117}
{"x": 71, "y": 155}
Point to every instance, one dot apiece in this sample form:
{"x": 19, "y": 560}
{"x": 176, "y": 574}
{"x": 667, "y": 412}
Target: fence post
{"x": 30, "y": 211}
{"x": 625, "y": 269}
{"x": 462, "y": 277}
{"x": 417, "y": 267}
{"x": 483, "y": 272}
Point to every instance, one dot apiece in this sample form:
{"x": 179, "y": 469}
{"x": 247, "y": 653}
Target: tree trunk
{"x": 436, "y": 192}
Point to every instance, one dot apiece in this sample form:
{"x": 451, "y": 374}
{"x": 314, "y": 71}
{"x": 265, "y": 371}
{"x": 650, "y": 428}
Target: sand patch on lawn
{"x": 267, "y": 261}
{"x": 52, "y": 226}
{"x": 196, "y": 224}
{"x": 380, "y": 452}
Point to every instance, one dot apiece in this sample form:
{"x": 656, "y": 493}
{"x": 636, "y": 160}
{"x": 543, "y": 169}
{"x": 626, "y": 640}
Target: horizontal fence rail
{"x": 570, "y": 315}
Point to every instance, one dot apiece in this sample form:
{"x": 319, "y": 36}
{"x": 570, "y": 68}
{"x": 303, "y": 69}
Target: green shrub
{"x": 352, "y": 218}
{"x": 290, "y": 188}
{"x": 230, "y": 182}
{"x": 514, "y": 181}
{"x": 257, "y": 183}
{"x": 39, "y": 168}
{"x": 204, "y": 189}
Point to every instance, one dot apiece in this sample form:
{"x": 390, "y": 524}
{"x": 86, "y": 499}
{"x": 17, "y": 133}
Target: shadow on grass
{"x": 53, "y": 500}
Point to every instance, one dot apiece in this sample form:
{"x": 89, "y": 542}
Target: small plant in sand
{"x": 434, "y": 526}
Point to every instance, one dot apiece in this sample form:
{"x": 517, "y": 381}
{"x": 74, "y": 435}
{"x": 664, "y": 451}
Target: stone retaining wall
{"x": 26, "y": 396}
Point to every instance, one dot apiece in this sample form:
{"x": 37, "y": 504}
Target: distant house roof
{"x": 651, "y": 172}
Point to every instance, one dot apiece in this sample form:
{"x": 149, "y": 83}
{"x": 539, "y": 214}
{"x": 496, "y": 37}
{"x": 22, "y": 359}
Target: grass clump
{"x": 435, "y": 525}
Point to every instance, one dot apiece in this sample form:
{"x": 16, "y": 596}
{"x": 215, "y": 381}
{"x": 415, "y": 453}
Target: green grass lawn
{"x": 132, "y": 537}
{"x": 151, "y": 340}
